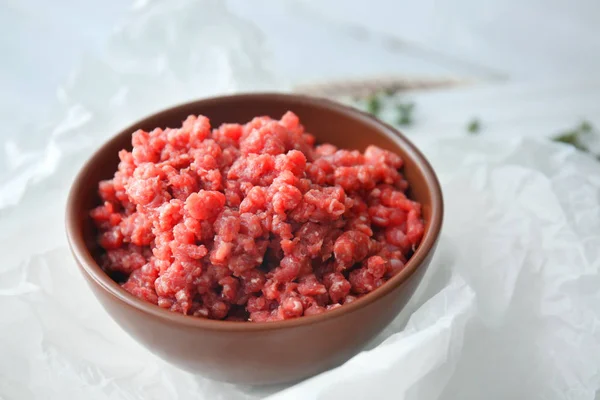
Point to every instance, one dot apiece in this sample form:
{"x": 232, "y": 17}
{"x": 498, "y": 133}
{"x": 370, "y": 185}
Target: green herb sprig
{"x": 474, "y": 127}
{"x": 404, "y": 110}
{"x": 374, "y": 105}
{"x": 575, "y": 137}
{"x": 405, "y": 113}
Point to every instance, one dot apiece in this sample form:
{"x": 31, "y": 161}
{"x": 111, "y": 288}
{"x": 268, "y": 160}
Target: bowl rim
{"x": 89, "y": 266}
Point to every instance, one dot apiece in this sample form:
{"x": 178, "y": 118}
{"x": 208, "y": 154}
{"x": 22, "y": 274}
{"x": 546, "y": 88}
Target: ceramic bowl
{"x": 269, "y": 352}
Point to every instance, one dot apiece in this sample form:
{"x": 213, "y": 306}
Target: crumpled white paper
{"x": 509, "y": 310}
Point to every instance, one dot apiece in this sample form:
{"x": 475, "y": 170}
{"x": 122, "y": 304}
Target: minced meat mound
{"x": 253, "y": 222}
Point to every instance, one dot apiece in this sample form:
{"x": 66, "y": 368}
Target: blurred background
{"x": 305, "y": 41}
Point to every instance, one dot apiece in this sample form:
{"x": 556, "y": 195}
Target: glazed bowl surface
{"x": 267, "y": 352}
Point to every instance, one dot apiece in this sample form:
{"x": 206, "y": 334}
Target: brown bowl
{"x": 269, "y": 352}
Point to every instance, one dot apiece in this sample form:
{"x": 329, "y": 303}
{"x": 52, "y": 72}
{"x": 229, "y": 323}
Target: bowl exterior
{"x": 284, "y": 352}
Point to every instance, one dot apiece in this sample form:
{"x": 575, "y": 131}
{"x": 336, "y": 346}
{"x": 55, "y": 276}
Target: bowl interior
{"x": 329, "y": 122}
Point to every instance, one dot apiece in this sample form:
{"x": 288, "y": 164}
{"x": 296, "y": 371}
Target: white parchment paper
{"x": 509, "y": 310}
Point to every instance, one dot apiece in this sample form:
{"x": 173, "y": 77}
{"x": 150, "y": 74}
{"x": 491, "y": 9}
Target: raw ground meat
{"x": 253, "y": 222}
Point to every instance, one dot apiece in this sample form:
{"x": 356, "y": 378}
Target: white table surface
{"x": 313, "y": 40}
